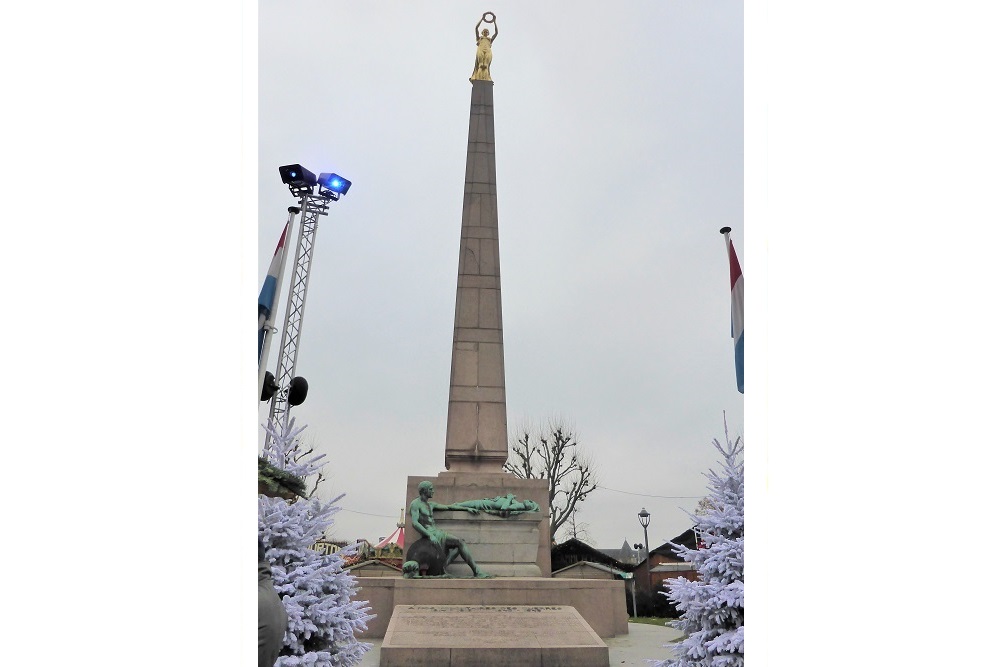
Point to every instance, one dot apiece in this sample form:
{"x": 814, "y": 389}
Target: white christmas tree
{"x": 314, "y": 588}
{"x": 712, "y": 607}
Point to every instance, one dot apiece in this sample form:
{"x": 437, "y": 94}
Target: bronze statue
{"x": 484, "y": 48}
{"x": 501, "y": 505}
{"x": 422, "y": 515}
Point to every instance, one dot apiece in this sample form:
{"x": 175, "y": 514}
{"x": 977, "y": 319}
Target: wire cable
{"x": 648, "y": 495}
{"x": 386, "y": 516}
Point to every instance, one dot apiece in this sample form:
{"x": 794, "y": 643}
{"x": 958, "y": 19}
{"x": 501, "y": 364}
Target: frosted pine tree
{"x": 314, "y": 588}
{"x": 712, "y": 607}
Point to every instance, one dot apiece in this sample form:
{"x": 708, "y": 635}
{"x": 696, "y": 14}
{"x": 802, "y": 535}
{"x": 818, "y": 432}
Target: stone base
{"x": 601, "y": 603}
{"x": 503, "y": 547}
{"x": 490, "y": 636}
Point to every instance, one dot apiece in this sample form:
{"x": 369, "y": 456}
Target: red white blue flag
{"x": 736, "y": 285}
{"x": 265, "y": 304}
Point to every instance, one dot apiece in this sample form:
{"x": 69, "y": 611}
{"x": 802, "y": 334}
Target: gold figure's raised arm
{"x": 491, "y": 20}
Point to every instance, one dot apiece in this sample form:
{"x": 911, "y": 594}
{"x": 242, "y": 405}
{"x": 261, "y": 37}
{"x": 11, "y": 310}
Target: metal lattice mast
{"x": 312, "y": 206}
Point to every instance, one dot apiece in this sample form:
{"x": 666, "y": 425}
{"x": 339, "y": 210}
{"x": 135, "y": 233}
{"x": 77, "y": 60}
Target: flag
{"x": 736, "y": 285}
{"x": 265, "y": 304}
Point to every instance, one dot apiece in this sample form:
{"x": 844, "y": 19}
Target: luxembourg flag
{"x": 265, "y": 304}
{"x": 736, "y": 284}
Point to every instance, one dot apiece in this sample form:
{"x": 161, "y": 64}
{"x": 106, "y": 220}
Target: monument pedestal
{"x": 515, "y": 546}
{"x": 601, "y": 602}
{"x": 503, "y": 547}
{"x": 490, "y": 636}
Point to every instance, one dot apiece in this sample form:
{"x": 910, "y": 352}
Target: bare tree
{"x": 705, "y": 505}
{"x": 577, "y": 529}
{"x": 306, "y": 452}
{"x": 553, "y": 454}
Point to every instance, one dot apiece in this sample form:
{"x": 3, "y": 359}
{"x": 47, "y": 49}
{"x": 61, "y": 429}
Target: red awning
{"x": 395, "y": 538}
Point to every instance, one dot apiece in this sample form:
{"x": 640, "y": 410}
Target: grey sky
{"x": 619, "y": 140}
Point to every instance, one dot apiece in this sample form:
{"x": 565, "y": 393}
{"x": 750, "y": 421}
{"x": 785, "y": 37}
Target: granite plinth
{"x": 491, "y": 636}
{"x": 504, "y": 547}
{"x": 600, "y": 602}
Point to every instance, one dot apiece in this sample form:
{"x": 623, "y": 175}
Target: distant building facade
{"x": 663, "y": 564}
{"x": 573, "y": 551}
{"x": 624, "y": 554}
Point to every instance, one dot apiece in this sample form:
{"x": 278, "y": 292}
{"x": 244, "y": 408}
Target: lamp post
{"x": 635, "y": 604}
{"x": 644, "y": 522}
{"x": 635, "y": 609}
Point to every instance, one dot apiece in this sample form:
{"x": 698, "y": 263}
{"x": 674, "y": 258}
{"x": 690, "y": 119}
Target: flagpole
{"x": 269, "y": 323}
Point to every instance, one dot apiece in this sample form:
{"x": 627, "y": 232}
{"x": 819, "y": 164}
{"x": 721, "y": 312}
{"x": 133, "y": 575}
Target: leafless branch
{"x": 553, "y": 454}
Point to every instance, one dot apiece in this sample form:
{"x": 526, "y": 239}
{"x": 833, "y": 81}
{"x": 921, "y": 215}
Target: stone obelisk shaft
{"x": 476, "y": 439}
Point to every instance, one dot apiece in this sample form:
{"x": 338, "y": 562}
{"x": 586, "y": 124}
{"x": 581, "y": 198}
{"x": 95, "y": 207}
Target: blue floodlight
{"x": 334, "y": 183}
{"x": 295, "y": 175}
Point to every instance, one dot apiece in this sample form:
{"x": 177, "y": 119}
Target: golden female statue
{"x": 484, "y": 50}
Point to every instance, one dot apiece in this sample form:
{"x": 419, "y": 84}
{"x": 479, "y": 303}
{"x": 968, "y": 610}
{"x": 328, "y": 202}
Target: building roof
{"x": 673, "y": 567}
{"x": 685, "y": 539}
{"x": 623, "y": 554}
{"x": 375, "y": 563}
{"x": 583, "y": 551}
{"x": 604, "y": 568}
{"x": 666, "y": 550}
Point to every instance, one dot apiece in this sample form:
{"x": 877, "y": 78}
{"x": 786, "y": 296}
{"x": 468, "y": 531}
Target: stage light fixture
{"x": 333, "y": 184}
{"x": 298, "y": 179}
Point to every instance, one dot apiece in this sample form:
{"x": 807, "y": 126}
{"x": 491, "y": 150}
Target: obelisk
{"x": 426, "y": 619}
{"x": 476, "y": 439}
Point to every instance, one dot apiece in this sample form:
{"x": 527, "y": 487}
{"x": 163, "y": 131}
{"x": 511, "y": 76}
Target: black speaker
{"x": 270, "y": 386}
{"x": 297, "y": 391}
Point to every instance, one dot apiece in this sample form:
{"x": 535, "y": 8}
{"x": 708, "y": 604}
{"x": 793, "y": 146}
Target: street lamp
{"x": 644, "y": 522}
{"x": 635, "y": 603}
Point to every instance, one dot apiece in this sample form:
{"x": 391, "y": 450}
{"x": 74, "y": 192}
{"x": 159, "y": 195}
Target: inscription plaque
{"x": 490, "y": 635}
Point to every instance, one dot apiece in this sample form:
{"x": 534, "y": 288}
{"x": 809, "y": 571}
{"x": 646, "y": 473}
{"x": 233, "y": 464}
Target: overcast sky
{"x": 619, "y": 144}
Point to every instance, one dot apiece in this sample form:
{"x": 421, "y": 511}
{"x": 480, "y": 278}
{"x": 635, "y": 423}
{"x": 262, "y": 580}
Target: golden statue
{"x": 484, "y": 50}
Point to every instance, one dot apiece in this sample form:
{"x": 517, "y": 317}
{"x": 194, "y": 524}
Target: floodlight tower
{"x": 284, "y": 388}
